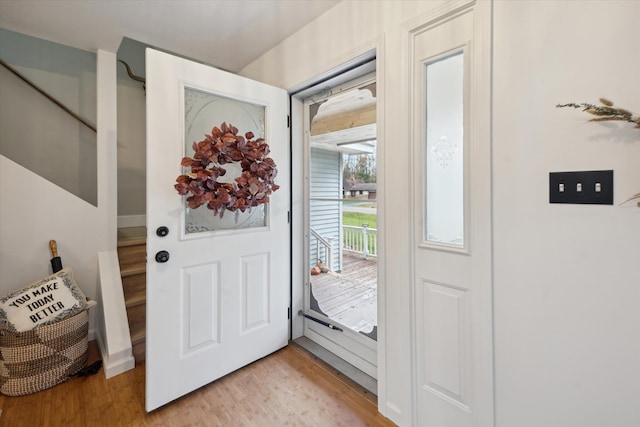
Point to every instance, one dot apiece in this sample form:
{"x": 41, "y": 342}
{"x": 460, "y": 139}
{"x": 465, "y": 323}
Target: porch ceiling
{"x": 346, "y": 122}
{"x": 357, "y": 140}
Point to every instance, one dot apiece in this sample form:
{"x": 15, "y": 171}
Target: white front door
{"x": 452, "y": 223}
{"x": 217, "y": 287}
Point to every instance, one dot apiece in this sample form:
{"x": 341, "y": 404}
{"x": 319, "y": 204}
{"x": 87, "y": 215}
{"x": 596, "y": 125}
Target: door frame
{"x": 339, "y": 75}
{"x": 355, "y": 348}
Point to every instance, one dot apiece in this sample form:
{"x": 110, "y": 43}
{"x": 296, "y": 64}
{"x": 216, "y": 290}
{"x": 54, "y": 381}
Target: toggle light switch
{"x": 589, "y": 187}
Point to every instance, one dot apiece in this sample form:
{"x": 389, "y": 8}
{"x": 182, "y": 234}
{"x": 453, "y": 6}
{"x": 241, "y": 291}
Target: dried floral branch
{"x": 606, "y": 112}
{"x": 252, "y": 188}
{"x": 634, "y": 197}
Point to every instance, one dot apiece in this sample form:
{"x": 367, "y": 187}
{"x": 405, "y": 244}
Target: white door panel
{"x": 451, "y": 239}
{"x": 221, "y": 299}
{"x": 451, "y": 268}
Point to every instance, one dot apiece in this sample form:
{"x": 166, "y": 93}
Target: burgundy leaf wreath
{"x": 252, "y": 188}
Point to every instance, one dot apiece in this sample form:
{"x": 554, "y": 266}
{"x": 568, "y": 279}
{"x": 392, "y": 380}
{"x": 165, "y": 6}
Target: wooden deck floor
{"x": 350, "y": 297}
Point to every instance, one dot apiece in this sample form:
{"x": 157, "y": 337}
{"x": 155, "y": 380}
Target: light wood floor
{"x": 288, "y": 388}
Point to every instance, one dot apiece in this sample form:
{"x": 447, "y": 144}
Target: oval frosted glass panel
{"x": 202, "y": 112}
{"x": 444, "y": 162}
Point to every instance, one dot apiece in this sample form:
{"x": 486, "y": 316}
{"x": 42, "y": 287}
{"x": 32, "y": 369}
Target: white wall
{"x": 81, "y": 229}
{"x": 26, "y": 226}
{"x": 131, "y": 149}
{"x": 567, "y": 282}
{"x": 36, "y": 133}
{"x": 132, "y": 155}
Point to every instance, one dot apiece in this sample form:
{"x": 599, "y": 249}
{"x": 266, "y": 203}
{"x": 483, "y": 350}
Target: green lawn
{"x": 357, "y": 219}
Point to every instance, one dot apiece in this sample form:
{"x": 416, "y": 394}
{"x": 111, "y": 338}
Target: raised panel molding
{"x": 255, "y": 291}
{"x": 443, "y": 328}
{"x": 200, "y": 294}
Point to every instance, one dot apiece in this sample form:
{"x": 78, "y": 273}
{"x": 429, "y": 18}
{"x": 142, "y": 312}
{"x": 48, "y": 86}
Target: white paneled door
{"x": 452, "y": 222}
{"x": 217, "y": 287}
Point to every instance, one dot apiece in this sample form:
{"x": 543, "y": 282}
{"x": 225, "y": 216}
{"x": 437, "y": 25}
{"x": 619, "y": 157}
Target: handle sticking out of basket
{"x": 56, "y": 262}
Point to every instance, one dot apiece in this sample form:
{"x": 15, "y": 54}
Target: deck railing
{"x": 326, "y": 245}
{"x": 362, "y": 240}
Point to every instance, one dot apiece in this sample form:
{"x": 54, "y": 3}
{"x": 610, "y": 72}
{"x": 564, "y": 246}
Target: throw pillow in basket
{"x": 47, "y": 301}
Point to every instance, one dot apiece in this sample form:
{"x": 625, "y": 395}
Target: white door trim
{"x": 337, "y": 66}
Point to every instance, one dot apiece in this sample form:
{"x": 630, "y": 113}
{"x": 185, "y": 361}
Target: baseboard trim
{"x": 112, "y": 368}
{"x": 112, "y": 331}
{"x": 125, "y": 221}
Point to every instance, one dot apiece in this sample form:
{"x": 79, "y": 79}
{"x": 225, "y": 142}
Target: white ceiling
{"x": 229, "y": 34}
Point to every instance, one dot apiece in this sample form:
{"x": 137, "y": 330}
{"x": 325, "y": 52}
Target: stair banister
{"x": 49, "y": 97}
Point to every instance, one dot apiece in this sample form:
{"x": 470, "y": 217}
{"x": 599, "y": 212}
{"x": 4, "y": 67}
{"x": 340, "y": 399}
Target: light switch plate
{"x": 587, "y": 187}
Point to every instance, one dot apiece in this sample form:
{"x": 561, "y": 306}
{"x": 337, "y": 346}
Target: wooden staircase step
{"x": 138, "y": 343}
{"x": 132, "y": 242}
{"x": 132, "y": 270}
{"x": 139, "y": 351}
{"x": 137, "y": 318}
{"x": 135, "y": 291}
{"x": 132, "y": 252}
{"x": 135, "y": 300}
{"x": 138, "y": 337}
{"x": 132, "y": 236}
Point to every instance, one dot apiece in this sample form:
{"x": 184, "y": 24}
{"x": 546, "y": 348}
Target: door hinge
{"x": 288, "y": 121}
{"x": 288, "y": 312}
{"x": 288, "y": 217}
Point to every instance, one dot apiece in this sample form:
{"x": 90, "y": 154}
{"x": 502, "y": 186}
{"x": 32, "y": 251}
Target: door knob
{"x": 162, "y": 231}
{"x": 162, "y": 256}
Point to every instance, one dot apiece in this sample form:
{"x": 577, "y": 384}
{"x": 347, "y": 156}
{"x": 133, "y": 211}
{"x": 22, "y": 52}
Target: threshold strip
{"x": 322, "y": 322}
